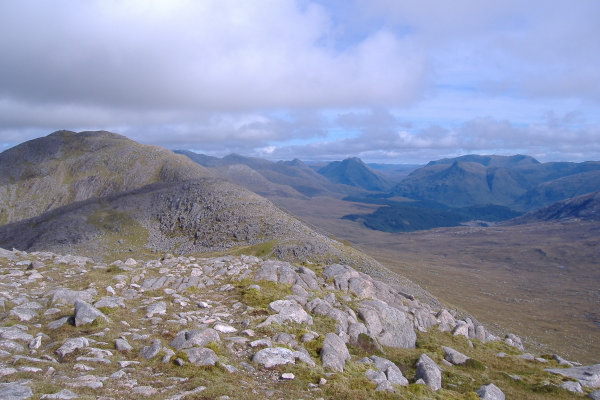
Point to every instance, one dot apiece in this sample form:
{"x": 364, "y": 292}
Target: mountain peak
{"x": 354, "y": 172}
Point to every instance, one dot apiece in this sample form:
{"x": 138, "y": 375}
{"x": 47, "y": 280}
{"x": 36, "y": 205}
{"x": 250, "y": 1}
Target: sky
{"x": 390, "y": 81}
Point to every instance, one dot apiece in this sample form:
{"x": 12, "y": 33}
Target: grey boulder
{"x": 85, "y": 313}
{"x": 429, "y": 372}
{"x": 334, "y": 353}
{"x": 453, "y": 356}
{"x": 490, "y": 392}
{"x": 201, "y": 356}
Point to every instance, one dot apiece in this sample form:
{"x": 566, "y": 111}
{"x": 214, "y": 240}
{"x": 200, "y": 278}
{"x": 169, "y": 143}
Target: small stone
{"x": 287, "y": 376}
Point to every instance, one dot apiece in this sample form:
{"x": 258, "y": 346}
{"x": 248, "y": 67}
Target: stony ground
{"x": 246, "y": 328}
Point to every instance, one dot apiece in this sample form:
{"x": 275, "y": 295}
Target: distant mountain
{"x": 354, "y": 172}
{"x": 63, "y": 167}
{"x": 518, "y": 182}
{"x": 283, "y": 178}
{"x": 580, "y": 208}
{"x": 490, "y": 160}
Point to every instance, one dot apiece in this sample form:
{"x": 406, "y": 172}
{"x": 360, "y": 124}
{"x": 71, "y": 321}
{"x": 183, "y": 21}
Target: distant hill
{"x": 283, "y": 178}
{"x": 581, "y": 208}
{"x": 63, "y": 167}
{"x": 519, "y": 182}
{"x": 354, "y": 172}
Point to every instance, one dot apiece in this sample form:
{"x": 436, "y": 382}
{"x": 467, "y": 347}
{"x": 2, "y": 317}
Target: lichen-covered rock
{"x": 151, "y": 350}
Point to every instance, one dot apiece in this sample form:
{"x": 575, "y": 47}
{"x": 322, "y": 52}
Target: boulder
{"x": 389, "y": 325}
{"x": 152, "y": 350}
{"x": 587, "y": 375}
{"x": 195, "y": 337}
{"x": 490, "y": 392}
{"x": 201, "y": 356}
{"x": 68, "y": 297}
{"x": 288, "y": 310}
{"x": 429, "y": 372}
{"x": 15, "y": 391}
{"x": 85, "y": 313}
{"x": 571, "y": 386}
{"x": 273, "y": 356}
{"x": 70, "y": 345}
{"x": 453, "y": 356}
{"x": 595, "y": 395}
{"x": 334, "y": 353}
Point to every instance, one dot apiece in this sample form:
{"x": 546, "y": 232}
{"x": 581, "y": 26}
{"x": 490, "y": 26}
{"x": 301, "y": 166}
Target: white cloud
{"x": 322, "y": 78}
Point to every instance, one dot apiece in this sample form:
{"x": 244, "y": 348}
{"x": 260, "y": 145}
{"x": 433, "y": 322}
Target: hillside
{"x": 246, "y": 328}
{"x": 518, "y": 182}
{"x": 63, "y": 167}
{"x": 580, "y": 208}
{"x": 353, "y": 172}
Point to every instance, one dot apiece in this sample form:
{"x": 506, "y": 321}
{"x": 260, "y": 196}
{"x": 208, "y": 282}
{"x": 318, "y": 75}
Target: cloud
{"x": 307, "y": 78}
{"x": 211, "y": 55}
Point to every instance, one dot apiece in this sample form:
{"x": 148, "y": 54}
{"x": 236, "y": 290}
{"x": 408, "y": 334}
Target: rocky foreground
{"x": 246, "y": 328}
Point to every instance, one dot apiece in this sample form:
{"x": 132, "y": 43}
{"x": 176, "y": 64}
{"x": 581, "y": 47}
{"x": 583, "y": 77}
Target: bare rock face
{"x": 428, "y": 370}
{"x": 490, "y": 392}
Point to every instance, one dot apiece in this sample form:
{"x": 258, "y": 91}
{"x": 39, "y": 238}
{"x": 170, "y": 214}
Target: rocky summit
{"x": 242, "y": 327}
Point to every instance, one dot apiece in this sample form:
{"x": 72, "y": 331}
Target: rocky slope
{"x": 64, "y": 167}
{"x": 580, "y": 208}
{"x": 245, "y": 328}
